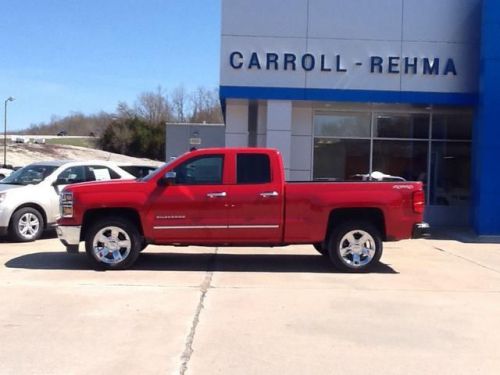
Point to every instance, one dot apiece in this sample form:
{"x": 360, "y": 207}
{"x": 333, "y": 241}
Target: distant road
{"x": 47, "y": 136}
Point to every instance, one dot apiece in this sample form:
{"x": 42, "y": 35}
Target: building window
{"x": 343, "y": 124}
{"x": 340, "y": 159}
{"x": 408, "y": 126}
{"x": 453, "y": 127}
{"x": 406, "y": 159}
{"x": 342, "y": 145}
{"x": 432, "y": 146}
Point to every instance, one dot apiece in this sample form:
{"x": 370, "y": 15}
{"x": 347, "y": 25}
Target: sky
{"x": 63, "y": 56}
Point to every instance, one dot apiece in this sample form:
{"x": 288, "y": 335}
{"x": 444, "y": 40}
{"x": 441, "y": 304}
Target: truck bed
{"x": 307, "y": 215}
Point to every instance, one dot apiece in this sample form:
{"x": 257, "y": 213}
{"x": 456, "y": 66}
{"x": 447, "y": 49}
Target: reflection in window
{"x": 455, "y": 126}
{"x": 72, "y": 175}
{"x": 406, "y": 159}
{"x": 342, "y": 125}
{"x": 450, "y": 173}
{"x": 342, "y": 149}
{"x": 205, "y": 170}
{"x": 340, "y": 159}
{"x": 402, "y": 126}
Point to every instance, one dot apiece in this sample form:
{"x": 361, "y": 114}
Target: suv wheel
{"x": 113, "y": 243}
{"x": 26, "y": 225}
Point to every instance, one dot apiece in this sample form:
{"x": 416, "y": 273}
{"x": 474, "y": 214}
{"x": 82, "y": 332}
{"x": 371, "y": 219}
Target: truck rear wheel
{"x": 355, "y": 246}
{"x": 113, "y": 243}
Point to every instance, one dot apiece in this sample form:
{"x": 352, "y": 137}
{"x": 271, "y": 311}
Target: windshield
{"x": 29, "y": 175}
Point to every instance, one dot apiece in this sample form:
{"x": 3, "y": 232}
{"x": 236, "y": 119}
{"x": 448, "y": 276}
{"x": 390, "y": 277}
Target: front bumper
{"x": 70, "y": 237}
{"x": 421, "y": 230}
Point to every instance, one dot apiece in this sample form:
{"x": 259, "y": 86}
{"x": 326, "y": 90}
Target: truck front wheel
{"x": 113, "y": 243}
{"x": 355, "y": 246}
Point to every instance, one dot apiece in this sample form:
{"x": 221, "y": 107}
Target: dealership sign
{"x": 335, "y": 63}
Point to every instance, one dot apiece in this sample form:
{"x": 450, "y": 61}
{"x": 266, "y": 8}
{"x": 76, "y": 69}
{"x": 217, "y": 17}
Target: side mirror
{"x": 167, "y": 179}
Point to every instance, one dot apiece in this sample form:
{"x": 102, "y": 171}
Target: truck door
{"x": 194, "y": 209}
{"x": 255, "y": 201}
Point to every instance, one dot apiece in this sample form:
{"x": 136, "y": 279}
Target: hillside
{"x": 21, "y": 154}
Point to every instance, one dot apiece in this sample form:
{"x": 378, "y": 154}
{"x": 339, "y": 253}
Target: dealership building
{"x": 408, "y": 88}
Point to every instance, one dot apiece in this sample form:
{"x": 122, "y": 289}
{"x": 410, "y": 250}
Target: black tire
{"x": 320, "y": 248}
{"x": 363, "y": 257}
{"x": 26, "y": 225}
{"x": 103, "y": 257}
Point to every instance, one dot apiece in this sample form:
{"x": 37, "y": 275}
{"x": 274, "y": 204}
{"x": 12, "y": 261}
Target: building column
{"x": 486, "y": 138}
{"x": 236, "y": 124}
{"x": 279, "y": 129}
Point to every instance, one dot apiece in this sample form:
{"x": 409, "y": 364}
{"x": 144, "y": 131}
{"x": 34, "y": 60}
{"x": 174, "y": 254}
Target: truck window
{"x": 253, "y": 169}
{"x": 204, "y": 170}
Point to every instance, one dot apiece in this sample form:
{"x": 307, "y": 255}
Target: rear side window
{"x": 101, "y": 173}
{"x": 253, "y": 169}
{"x": 72, "y": 175}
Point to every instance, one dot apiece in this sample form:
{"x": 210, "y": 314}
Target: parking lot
{"x": 432, "y": 307}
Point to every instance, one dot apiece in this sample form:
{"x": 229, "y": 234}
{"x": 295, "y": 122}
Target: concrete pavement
{"x": 433, "y": 306}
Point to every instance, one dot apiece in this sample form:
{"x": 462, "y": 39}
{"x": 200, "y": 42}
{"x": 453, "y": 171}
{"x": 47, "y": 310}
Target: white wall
{"x": 302, "y": 138}
{"x": 279, "y": 130}
{"x": 237, "y": 124}
{"x": 355, "y": 30}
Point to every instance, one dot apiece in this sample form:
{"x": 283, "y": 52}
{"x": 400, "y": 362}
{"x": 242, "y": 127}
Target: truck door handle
{"x": 221, "y": 194}
{"x": 269, "y": 194}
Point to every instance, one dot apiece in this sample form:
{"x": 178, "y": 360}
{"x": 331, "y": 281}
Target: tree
{"x": 205, "y": 106}
{"x": 134, "y": 137}
{"x": 153, "y": 107}
{"x": 139, "y": 129}
{"x": 179, "y": 103}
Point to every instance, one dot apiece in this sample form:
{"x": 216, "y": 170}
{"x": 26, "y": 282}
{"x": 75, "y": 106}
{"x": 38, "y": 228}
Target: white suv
{"x": 29, "y": 197}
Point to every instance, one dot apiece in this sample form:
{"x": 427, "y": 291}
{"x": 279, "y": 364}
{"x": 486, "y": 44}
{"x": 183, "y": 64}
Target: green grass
{"x": 81, "y": 142}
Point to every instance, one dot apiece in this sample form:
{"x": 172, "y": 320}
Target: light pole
{"x": 9, "y": 99}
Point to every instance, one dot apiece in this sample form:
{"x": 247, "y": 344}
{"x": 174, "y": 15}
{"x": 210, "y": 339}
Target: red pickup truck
{"x": 237, "y": 197}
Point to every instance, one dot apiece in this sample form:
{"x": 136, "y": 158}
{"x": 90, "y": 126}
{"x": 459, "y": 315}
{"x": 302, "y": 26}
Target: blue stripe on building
{"x": 373, "y": 96}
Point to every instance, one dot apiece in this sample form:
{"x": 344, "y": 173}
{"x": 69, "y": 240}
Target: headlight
{"x": 66, "y": 204}
{"x": 2, "y": 196}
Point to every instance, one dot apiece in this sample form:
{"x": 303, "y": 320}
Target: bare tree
{"x": 179, "y": 103}
{"x": 153, "y": 107}
{"x": 205, "y": 106}
{"x": 124, "y": 111}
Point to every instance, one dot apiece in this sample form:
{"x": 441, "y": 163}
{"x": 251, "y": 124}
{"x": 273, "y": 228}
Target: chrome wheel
{"x": 28, "y": 226}
{"x": 111, "y": 245}
{"x": 357, "y": 248}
